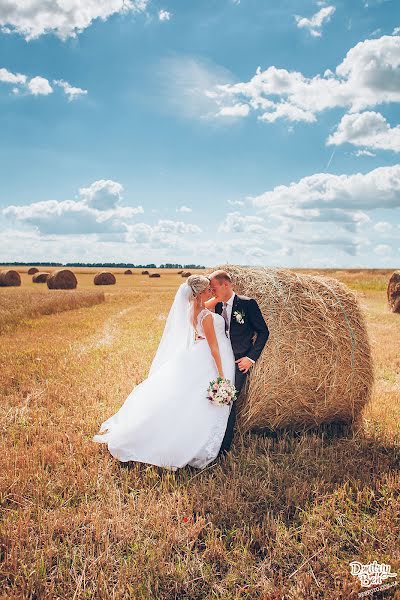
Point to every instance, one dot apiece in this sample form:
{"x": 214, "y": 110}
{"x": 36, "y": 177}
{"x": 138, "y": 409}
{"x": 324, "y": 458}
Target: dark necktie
{"x": 225, "y": 315}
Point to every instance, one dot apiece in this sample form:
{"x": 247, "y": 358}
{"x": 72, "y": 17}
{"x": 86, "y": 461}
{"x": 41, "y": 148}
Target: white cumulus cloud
{"x": 64, "y": 18}
{"x": 364, "y": 153}
{"x": 237, "y": 110}
{"x": 315, "y": 23}
{"x": 235, "y": 222}
{"x": 99, "y": 217}
{"x": 164, "y": 15}
{"x": 383, "y": 249}
{"x": 102, "y": 194}
{"x": 71, "y": 91}
{"x": 383, "y": 227}
{"x": 8, "y": 77}
{"x": 331, "y": 194}
{"x": 369, "y": 129}
{"x": 97, "y": 210}
{"x": 38, "y": 85}
{"x": 368, "y": 76}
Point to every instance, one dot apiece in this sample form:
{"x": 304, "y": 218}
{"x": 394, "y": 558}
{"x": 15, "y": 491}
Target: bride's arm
{"x": 209, "y": 332}
{"x": 211, "y": 303}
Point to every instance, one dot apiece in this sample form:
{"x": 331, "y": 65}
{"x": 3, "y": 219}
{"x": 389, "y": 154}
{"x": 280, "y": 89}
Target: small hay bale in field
{"x": 185, "y": 274}
{"x": 62, "y": 279}
{"x": 154, "y": 275}
{"x": 393, "y": 292}
{"x": 9, "y": 277}
{"x": 316, "y": 366}
{"x": 145, "y": 273}
{"x": 104, "y": 278}
{"x": 32, "y": 271}
{"x": 40, "y": 277}
{"x": 180, "y": 272}
{"x": 128, "y": 272}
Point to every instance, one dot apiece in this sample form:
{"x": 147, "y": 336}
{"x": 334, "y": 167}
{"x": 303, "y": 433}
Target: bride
{"x": 167, "y": 419}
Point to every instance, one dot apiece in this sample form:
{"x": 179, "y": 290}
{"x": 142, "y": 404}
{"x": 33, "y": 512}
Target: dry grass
{"x": 280, "y": 518}
{"x": 18, "y": 306}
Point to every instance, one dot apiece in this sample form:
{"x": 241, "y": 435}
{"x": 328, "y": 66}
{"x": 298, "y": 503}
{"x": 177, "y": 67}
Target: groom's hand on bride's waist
{"x": 244, "y": 363}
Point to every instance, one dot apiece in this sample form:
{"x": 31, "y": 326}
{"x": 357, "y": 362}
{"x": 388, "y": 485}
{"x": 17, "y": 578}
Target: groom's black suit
{"x": 243, "y": 344}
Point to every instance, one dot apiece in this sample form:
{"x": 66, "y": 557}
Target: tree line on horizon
{"x": 113, "y": 265}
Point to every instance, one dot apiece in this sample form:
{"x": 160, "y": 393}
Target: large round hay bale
{"x": 40, "y": 277}
{"x": 145, "y": 273}
{"x": 104, "y": 278}
{"x": 185, "y": 274}
{"x": 32, "y": 270}
{"x": 62, "y": 279}
{"x": 128, "y": 272}
{"x": 9, "y": 277}
{"x": 154, "y": 275}
{"x": 316, "y": 366}
{"x": 393, "y": 292}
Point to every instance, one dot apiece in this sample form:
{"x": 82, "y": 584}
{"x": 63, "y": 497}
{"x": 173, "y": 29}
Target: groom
{"x": 243, "y": 320}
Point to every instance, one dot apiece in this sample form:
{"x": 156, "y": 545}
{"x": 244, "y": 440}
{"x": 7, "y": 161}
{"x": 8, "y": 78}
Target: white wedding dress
{"x": 167, "y": 419}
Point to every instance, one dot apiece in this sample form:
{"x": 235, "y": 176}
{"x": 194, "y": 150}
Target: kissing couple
{"x": 211, "y": 339}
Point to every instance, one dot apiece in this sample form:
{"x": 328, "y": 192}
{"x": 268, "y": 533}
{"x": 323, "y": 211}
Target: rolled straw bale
{"x": 9, "y": 277}
{"x": 179, "y": 272}
{"x": 185, "y": 274}
{"x": 154, "y": 275}
{"x": 393, "y": 292}
{"x": 40, "y": 277}
{"x": 104, "y": 278}
{"x": 32, "y": 270}
{"x": 62, "y": 279}
{"x": 128, "y": 272}
{"x": 145, "y": 273}
{"x": 316, "y": 366}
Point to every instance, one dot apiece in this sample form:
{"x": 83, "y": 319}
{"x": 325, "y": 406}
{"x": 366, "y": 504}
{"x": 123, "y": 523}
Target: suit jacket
{"x": 242, "y": 334}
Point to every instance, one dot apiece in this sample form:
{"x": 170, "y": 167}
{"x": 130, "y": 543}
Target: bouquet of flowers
{"x": 221, "y": 392}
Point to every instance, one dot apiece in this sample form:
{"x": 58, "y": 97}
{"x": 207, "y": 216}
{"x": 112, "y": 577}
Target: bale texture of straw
{"x": 393, "y": 292}
{"x": 154, "y": 275}
{"x": 40, "y": 277}
{"x": 185, "y": 274}
{"x": 145, "y": 273}
{"x": 316, "y": 366}
{"x": 104, "y": 278}
{"x": 128, "y": 272}
{"x": 9, "y": 277}
{"x": 62, "y": 279}
{"x": 32, "y": 270}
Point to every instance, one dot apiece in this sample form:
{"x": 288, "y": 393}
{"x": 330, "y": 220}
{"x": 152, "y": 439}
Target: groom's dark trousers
{"x": 242, "y": 333}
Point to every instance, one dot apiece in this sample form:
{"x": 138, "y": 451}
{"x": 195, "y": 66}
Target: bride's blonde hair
{"x": 198, "y": 283}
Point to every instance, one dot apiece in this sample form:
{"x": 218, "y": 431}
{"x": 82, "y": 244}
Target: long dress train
{"x": 167, "y": 419}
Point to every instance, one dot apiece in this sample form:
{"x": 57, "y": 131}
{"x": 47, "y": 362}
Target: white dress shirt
{"x": 229, "y": 304}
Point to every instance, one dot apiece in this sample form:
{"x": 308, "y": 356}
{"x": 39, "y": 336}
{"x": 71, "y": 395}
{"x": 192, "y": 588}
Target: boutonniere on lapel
{"x": 239, "y": 316}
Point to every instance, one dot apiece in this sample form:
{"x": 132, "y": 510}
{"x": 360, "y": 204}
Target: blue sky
{"x": 203, "y": 131}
